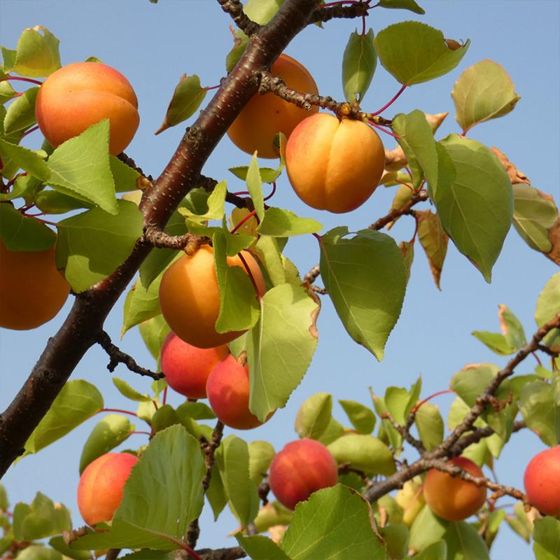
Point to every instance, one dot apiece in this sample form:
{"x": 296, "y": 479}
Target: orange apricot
{"x": 101, "y": 486}
{"x": 453, "y": 498}
{"x": 32, "y": 289}
{"x": 334, "y": 164}
{"x": 81, "y": 94}
{"x": 186, "y": 368}
{"x": 542, "y": 481}
{"x": 266, "y": 115}
{"x": 228, "y": 392}
{"x": 189, "y": 296}
{"x": 301, "y": 468}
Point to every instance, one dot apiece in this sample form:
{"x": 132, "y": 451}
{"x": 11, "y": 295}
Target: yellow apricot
{"x": 189, "y": 296}
{"x": 81, "y": 94}
{"x": 32, "y": 290}
{"x": 334, "y": 164}
{"x": 266, "y": 115}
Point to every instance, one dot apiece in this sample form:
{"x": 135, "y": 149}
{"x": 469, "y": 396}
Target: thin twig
{"x": 355, "y": 10}
{"x": 117, "y": 357}
{"x": 235, "y": 9}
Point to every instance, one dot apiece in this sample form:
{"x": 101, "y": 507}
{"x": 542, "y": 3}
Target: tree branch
{"x": 117, "y": 357}
{"x": 85, "y": 321}
{"x": 357, "y": 9}
{"x": 235, "y": 9}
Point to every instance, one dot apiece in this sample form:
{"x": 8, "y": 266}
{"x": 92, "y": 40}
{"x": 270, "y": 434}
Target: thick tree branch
{"x": 84, "y": 323}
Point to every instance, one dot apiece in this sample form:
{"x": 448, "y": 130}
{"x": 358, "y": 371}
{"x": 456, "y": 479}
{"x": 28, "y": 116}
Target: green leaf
{"x": 434, "y": 241}
{"x": 511, "y": 327}
{"x": 547, "y": 539}
{"x": 153, "y": 332}
{"x": 60, "y": 545}
{"x": 107, "y": 434}
{"x": 519, "y": 522}
{"x": 196, "y": 410}
{"x": 93, "y": 244}
{"x": 21, "y": 113}
{"x": 268, "y": 175}
{"x": 280, "y": 347}
{"x": 268, "y": 249}
{"x": 395, "y": 539}
{"x": 495, "y": 341}
{"x": 80, "y": 167}
{"x": 416, "y": 138}
{"x": 358, "y": 65}
{"x": 7, "y": 92}
{"x": 483, "y": 91}
{"x": 261, "y": 548}
{"x": 28, "y": 160}
{"x": 37, "y": 52}
{"x": 39, "y": 552}
{"x": 335, "y": 524}
{"x": 239, "y": 307}
{"x": 463, "y": 541}
{"x": 430, "y": 425}
{"x": 365, "y": 278}
{"x": 426, "y": 530}
{"x": 362, "y": 417}
{"x": 539, "y": 403}
{"x": 241, "y": 490}
{"x": 283, "y": 223}
{"x": 41, "y": 519}
{"x": 314, "y": 416}
{"x": 141, "y": 305}
{"x": 126, "y": 178}
{"x": 414, "y": 52}
{"x": 20, "y": 233}
{"x": 363, "y": 452}
{"x": 187, "y": 97}
{"x": 262, "y": 11}
{"x": 476, "y": 209}
{"x": 54, "y": 202}
{"x": 77, "y": 401}
{"x": 261, "y": 454}
{"x": 4, "y": 503}
{"x": 216, "y": 494}
{"x": 548, "y": 306}
{"x": 401, "y": 5}
{"x": 271, "y": 514}
{"x": 534, "y": 215}
{"x": 436, "y": 551}
{"x": 168, "y": 478}
{"x": 240, "y": 42}
{"x": 129, "y": 392}
{"x": 254, "y": 186}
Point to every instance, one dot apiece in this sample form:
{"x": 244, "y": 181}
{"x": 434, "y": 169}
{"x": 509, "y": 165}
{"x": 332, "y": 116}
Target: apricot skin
{"x": 301, "y": 468}
{"x": 32, "y": 290}
{"x": 542, "y": 481}
{"x": 266, "y": 115}
{"x": 189, "y": 297}
{"x": 333, "y": 164}
{"x": 186, "y": 367}
{"x": 81, "y": 94}
{"x": 101, "y": 485}
{"x": 453, "y": 498}
{"x": 228, "y": 392}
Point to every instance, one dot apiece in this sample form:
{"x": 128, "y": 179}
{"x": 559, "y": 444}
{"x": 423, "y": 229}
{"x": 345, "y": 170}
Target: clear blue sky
{"x": 155, "y": 44}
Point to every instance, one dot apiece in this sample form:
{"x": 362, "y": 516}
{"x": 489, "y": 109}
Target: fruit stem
{"x": 249, "y": 273}
{"x": 30, "y": 130}
{"x": 391, "y": 101}
{"x": 164, "y": 396}
{"x": 272, "y": 192}
{"x": 383, "y": 129}
{"x": 20, "y": 79}
{"x": 119, "y": 410}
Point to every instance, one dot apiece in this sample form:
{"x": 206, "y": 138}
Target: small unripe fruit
{"x": 81, "y": 94}
{"x": 301, "y": 468}
{"x": 228, "y": 392}
{"x": 265, "y": 115}
{"x": 453, "y": 498}
{"x": 186, "y": 367}
{"x": 101, "y": 485}
{"x": 334, "y": 164}
{"x": 189, "y": 296}
{"x": 542, "y": 481}
{"x": 32, "y": 289}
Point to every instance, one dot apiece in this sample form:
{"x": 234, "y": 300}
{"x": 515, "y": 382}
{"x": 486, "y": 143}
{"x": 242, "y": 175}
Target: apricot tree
{"x": 391, "y": 483}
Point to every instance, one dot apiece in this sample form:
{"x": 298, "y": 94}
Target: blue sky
{"x": 153, "y": 45}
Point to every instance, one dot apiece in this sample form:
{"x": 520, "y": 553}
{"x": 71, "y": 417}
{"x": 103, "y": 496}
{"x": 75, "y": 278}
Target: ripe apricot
{"x": 101, "y": 485}
{"x": 542, "y": 481}
{"x": 189, "y": 296}
{"x": 453, "y": 498}
{"x": 265, "y": 115}
{"x": 334, "y": 164}
{"x": 301, "y": 468}
{"x": 228, "y": 392}
{"x": 81, "y": 94}
{"x": 32, "y": 290}
{"x": 186, "y": 367}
